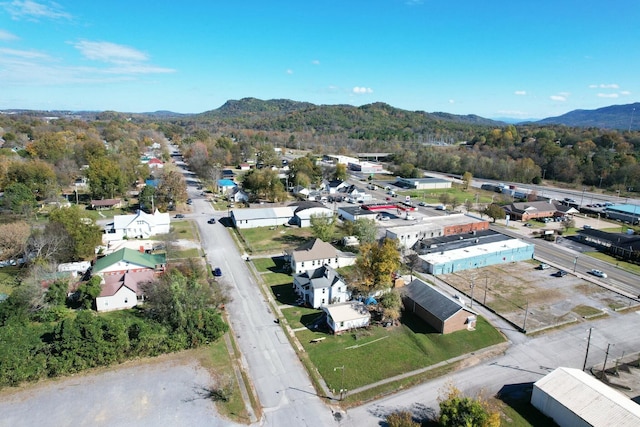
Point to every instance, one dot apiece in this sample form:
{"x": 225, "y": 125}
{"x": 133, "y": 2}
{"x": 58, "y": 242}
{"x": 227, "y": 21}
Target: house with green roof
{"x": 129, "y": 261}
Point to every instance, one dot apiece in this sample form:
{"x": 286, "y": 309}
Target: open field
{"x": 274, "y": 239}
{"x": 517, "y": 289}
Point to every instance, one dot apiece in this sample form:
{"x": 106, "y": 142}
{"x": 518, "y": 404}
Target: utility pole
{"x": 486, "y": 286}
{"x": 342, "y": 390}
{"x": 586, "y": 354}
{"x": 471, "y": 293}
{"x": 604, "y": 366}
{"x": 524, "y": 324}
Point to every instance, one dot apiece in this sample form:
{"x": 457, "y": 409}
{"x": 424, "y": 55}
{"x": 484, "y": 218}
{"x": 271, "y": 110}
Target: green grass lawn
{"x": 627, "y": 266}
{"x": 271, "y": 264}
{"x": 183, "y": 229}
{"x": 271, "y": 279}
{"x": 274, "y": 239}
{"x": 298, "y": 317}
{"x": 284, "y": 294}
{"x": 373, "y": 354}
{"x": 433, "y": 196}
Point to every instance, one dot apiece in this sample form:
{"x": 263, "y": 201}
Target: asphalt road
{"x": 285, "y": 391}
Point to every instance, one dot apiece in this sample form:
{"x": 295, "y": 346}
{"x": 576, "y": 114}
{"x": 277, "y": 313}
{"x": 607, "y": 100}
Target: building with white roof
{"x": 140, "y": 225}
{"x": 409, "y": 235}
{"x": 574, "y": 398}
{"x": 476, "y": 256}
{"x": 346, "y": 316}
{"x": 262, "y": 217}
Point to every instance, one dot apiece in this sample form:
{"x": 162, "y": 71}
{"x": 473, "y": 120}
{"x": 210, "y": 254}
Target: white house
{"x": 317, "y": 253}
{"x": 346, "y": 316}
{"x": 140, "y": 225}
{"x": 321, "y": 286}
{"x": 262, "y": 217}
{"x": 335, "y": 186}
{"x": 238, "y": 195}
{"x": 122, "y": 291}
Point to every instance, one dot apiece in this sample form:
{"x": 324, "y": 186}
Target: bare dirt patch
{"x": 519, "y": 289}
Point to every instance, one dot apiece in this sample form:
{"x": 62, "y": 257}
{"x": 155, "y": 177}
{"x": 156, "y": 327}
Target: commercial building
{"x": 428, "y": 183}
{"x": 439, "y": 226}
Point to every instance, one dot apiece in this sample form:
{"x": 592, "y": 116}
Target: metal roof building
{"x": 573, "y": 398}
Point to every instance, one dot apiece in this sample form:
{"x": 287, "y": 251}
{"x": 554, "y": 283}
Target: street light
{"x": 472, "y": 286}
{"x": 342, "y": 390}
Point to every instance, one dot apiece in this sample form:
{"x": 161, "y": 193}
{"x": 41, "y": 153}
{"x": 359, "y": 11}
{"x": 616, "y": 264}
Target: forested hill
{"x": 369, "y": 121}
{"x": 622, "y": 117}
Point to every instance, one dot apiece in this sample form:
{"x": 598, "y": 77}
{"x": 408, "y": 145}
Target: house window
{"x": 322, "y": 300}
{"x": 341, "y": 324}
{"x": 126, "y": 300}
{"x": 302, "y": 264}
{"x": 324, "y": 290}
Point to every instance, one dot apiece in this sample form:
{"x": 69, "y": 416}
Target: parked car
{"x": 217, "y": 272}
{"x": 189, "y": 201}
{"x": 599, "y": 273}
{"x": 212, "y": 221}
{"x": 179, "y": 216}
{"x": 543, "y": 266}
{"x": 560, "y": 273}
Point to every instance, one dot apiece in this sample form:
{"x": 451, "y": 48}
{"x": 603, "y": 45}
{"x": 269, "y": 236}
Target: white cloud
{"x": 289, "y": 71}
{"x": 7, "y": 36}
{"x": 110, "y": 52}
{"x": 520, "y": 92}
{"x": 561, "y": 98}
{"x": 361, "y": 90}
{"x": 451, "y": 101}
{"x": 23, "y": 54}
{"x": 34, "y": 11}
{"x": 315, "y": 62}
{"x": 607, "y": 95}
{"x": 604, "y": 86}
{"x": 625, "y": 92}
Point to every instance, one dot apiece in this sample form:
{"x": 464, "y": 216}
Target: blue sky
{"x": 519, "y": 58}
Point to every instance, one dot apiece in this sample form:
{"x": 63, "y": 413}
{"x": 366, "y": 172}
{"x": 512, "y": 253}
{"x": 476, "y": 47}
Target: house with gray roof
{"x": 317, "y": 253}
{"x": 321, "y": 286}
{"x": 440, "y": 311}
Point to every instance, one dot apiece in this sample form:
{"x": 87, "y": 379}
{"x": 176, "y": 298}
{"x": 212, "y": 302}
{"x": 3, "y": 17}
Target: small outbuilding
{"x": 346, "y": 316}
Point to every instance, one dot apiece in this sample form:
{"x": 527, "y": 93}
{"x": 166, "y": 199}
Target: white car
{"x": 599, "y": 273}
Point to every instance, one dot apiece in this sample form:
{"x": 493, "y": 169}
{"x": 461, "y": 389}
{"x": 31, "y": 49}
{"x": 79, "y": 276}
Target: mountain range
{"x": 286, "y": 113}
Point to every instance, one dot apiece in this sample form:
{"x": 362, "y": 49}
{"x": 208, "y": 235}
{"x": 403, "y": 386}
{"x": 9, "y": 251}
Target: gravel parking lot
{"x": 168, "y": 390}
{"x": 517, "y": 288}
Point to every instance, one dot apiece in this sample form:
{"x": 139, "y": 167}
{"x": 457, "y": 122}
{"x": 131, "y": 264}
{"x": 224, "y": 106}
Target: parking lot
{"x": 535, "y": 299}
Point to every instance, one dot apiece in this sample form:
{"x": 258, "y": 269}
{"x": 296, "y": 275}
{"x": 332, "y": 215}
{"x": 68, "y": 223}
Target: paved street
{"x": 281, "y": 382}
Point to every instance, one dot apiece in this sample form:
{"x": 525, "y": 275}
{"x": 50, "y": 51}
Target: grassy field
{"x": 298, "y": 317}
{"x": 274, "y": 239}
{"x": 370, "y": 355}
{"x": 433, "y": 196}
{"x": 627, "y": 266}
{"x": 184, "y": 230}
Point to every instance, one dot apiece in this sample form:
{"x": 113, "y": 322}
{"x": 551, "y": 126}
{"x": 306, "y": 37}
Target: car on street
{"x": 217, "y": 272}
{"x": 212, "y": 221}
{"x": 560, "y": 273}
{"x": 189, "y": 201}
{"x": 543, "y": 266}
{"x": 422, "y": 204}
{"x": 599, "y": 273}
{"x": 179, "y": 216}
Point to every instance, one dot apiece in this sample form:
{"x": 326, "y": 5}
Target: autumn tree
{"x": 19, "y": 198}
{"x": 84, "y": 234}
{"x": 340, "y": 172}
{"x": 106, "y": 179}
{"x": 375, "y": 266}
{"x": 172, "y": 189}
{"x": 494, "y": 212}
{"x": 401, "y": 418}
{"x": 38, "y": 175}
{"x": 365, "y": 230}
{"x": 457, "y": 410}
{"x": 323, "y": 227}
{"x": 265, "y": 183}
{"x": 304, "y": 171}
{"x": 13, "y": 239}
{"x": 467, "y": 177}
